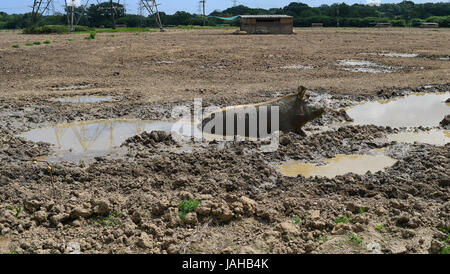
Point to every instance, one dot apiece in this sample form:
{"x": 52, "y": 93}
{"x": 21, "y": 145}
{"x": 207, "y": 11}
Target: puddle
{"x": 297, "y": 67}
{"x": 84, "y": 99}
{"x": 432, "y": 137}
{"x": 394, "y": 54}
{"x": 417, "y": 109}
{"x": 340, "y": 165}
{"x": 89, "y": 139}
{"x": 365, "y": 66}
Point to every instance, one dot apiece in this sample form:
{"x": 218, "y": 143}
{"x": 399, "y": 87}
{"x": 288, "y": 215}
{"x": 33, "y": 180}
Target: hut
{"x": 267, "y": 24}
{"x": 429, "y": 25}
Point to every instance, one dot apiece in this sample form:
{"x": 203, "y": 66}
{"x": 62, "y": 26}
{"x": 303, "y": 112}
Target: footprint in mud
{"x": 84, "y": 99}
{"x": 71, "y": 86}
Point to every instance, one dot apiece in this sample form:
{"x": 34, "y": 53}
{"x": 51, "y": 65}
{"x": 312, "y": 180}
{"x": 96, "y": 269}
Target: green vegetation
{"x": 322, "y": 239}
{"x": 403, "y": 14}
{"x": 297, "y": 220}
{"x": 29, "y": 44}
{"x": 91, "y": 36}
{"x": 47, "y": 42}
{"x": 113, "y": 219}
{"x": 343, "y": 219}
{"x": 17, "y": 209}
{"x": 446, "y": 243}
{"x": 186, "y": 207}
{"x": 355, "y": 240}
{"x": 379, "y": 227}
{"x": 16, "y": 46}
{"x": 36, "y": 43}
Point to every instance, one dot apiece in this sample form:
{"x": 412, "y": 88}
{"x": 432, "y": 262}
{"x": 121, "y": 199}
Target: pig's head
{"x": 304, "y": 111}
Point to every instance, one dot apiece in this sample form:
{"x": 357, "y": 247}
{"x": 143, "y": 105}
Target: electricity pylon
{"x": 203, "y": 4}
{"x": 39, "y": 8}
{"x": 152, "y": 8}
{"x": 72, "y": 17}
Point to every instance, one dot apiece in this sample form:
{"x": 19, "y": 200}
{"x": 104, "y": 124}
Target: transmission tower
{"x": 203, "y": 4}
{"x": 113, "y": 10}
{"x": 141, "y": 13}
{"x": 73, "y": 16}
{"x": 39, "y": 8}
{"x": 152, "y": 8}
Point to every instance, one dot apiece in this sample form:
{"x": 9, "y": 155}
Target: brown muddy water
{"x": 415, "y": 110}
{"x": 365, "y": 66}
{"x": 88, "y": 139}
{"x": 84, "y": 99}
{"x": 433, "y": 137}
{"x": 339, "y": 165}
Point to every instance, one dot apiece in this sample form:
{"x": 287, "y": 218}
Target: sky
{"x": 192, "y": 6}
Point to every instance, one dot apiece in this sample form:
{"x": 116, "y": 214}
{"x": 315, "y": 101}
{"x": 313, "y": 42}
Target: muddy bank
{"x": 245, "y": 205}
{"x": 133, "y": 204}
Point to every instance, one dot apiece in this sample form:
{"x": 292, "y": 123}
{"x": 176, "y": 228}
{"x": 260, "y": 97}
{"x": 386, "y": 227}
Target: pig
{"x": 294, "y": 113}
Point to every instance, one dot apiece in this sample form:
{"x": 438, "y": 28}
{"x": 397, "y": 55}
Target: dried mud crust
{"x": 182, "y": 65}
{"x": 245, "y": 205}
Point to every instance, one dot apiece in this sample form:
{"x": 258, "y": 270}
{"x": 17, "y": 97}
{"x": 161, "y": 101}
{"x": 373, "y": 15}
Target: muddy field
{"x": 128, "y": 201}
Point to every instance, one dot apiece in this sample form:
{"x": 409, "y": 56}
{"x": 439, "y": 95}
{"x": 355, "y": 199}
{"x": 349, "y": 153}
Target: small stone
{"x": 288, "y": 228}
{"x": 436, "y": 246}
{"x": 40, "y": 216}
{"x": 144, "y": 241}
{"x": 374, "y": 248}
{"x": 314, "y": 214}
{"x": 285, "y": 140}
{"x": 102, "y": 207}
{"x": 73, "y": 248}
{"x": 191, "y": 218}
{"x": 80, "y": 212}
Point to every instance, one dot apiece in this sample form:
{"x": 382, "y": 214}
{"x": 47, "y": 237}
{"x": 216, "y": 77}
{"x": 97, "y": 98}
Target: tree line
{"x": 403, "y": 14}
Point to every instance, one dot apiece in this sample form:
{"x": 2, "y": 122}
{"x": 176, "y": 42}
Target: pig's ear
{"x": 301, "y": 93}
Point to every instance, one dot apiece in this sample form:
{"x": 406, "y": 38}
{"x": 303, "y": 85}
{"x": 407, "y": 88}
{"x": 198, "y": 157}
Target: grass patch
{"x": 343, "y": 219}
{"x": 58, "y": 29}
{"x": 16, "y": 46}
{"x": 203, "y": 27}
{"x": 29, "y": 44}
{"x": 187, "y": 206}
{"x": 379, "y": 227}
{"x": 446, "y": 247}
{"x": 47, "y": 42}
{"x": 36, "y": 43}
{"x": 322, "y": 239}
{"x": 354, "y": 239}
{"x": 113, "y": 219}
{"x": 296, "y": 220}
{"x": 17, "y": 209}
{"x": 135, "y": 30}
{"x": 91, "y": 36}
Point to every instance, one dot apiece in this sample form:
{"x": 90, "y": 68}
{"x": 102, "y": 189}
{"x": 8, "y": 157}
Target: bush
{"x": 398, "y": 23}
{"x": 58, "y": 29}
{"x": 81, "y": 29}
